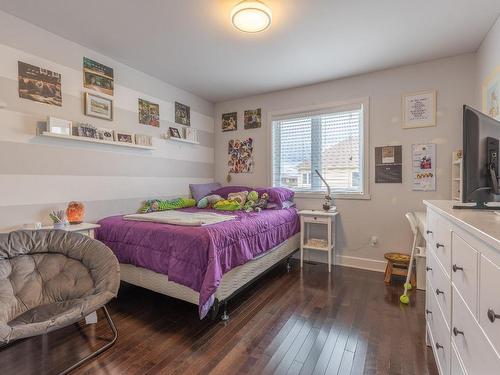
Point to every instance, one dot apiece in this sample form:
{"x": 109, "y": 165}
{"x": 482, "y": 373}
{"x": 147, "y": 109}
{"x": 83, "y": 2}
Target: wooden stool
{"x": 397, "y": 264}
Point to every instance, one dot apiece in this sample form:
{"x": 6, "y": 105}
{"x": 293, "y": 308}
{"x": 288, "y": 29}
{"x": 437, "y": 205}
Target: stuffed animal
{"x": 155, "y": 205}
{"x": 240, "y": 197}
{"x": 227, "y": 205}
{"x": 209, "y": 201}
{"x": 252, "y": 199}
{"x": 262, "y": 202}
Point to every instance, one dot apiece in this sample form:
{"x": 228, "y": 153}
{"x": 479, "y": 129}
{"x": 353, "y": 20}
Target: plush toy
{"x": 155, "y": 205}
{"x": 209, "y": 201}
{"x": 262, "y": 202}
{"x": 252, "y": 199}
{"x": 240, "y": 197}
{"x": 227, "y": 205}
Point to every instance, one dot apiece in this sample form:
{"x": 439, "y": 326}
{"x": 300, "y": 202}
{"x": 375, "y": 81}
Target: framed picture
{"x": 229, "y": 121}
{"x": 149, "y": 113}
{"x": 253, "y": 118}
{"x": 39, "y": 85}
{"x": 98, "y": 77}
{"x": 143, "y": 140}
{"x": 491, "y": 94}
{"x": 98, "y": 106}
{"x": 105, "y": 134}
{"x": 182, "y": 114}
{"x": 59, "y": 126}
{"x": 174, "y": 133}
{"x": 419, "y": 109}
{"x": 191, "y": 134}
{"x": 87, "y": 130}
{"x": 124, "y": 137}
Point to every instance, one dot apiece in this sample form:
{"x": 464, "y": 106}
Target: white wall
{"x": 488, "y": 58}
{"x": 38, "y": 175}
{"x": 383, "y": 215}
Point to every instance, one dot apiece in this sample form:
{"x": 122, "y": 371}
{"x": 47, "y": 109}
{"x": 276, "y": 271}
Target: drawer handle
{"x": 439, "y": 346}
{"x": 438, "y": 292}
{"x": 438, "y": 245}
{"x": 428, "y": 311}
{"x": 428, "y": 268}
{"x": 492, "y": 316}
{"x": 457, "y": 332}
{"x": 456, "y": 268}
{"x": 428, "y": 231}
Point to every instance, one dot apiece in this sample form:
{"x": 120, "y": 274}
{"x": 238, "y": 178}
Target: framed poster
{"x": 253, "y": 118}
{"x": 182, "y": 114}
{"x": 229, "y": 121}
{"x": 39, "y": 84}
{"x": 149, "y": 113}
{"x": 419, "y": 109}
{"x": 98, "y": 77}
{"x": 98, "y": 106}
{"x": 491, "y": 95}
{"x": 388, "y": 165}
{"x": 423, "y": 167}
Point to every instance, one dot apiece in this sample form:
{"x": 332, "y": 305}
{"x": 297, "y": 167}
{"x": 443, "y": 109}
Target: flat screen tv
{"x": 481, "y": 136}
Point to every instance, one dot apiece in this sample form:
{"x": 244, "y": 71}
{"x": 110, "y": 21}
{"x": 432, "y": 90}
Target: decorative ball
{"x": 75, "y": 212}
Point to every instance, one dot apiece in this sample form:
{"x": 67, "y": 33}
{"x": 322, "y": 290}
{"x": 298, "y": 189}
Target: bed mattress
{"x": 198, "y": 257}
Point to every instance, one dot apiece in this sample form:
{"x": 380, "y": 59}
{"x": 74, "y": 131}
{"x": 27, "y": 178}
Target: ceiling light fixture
{"x": 251, "y": 16}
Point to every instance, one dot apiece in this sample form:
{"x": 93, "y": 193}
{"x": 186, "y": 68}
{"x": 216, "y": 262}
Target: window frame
{"x": 322, "y": 109}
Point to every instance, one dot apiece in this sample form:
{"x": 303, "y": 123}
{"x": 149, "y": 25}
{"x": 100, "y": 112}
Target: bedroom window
{"x": 333, "y": 140}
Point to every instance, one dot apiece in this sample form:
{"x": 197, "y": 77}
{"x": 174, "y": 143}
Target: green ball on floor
{"x": 404, "y": 299}
{"x": 408, "y": 286}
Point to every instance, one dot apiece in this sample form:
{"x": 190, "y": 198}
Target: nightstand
{"x": 327, "y": 243}
{"x": 83, "y": 228}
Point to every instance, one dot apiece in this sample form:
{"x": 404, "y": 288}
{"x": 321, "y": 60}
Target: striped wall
{"x": 38, "y": 174}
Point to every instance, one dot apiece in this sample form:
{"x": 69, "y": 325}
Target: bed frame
{"x": 231, "y": 283}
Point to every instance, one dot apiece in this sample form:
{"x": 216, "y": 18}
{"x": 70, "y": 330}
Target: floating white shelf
{"x": 181, "y": 140}
{"x": 93, "y": 140}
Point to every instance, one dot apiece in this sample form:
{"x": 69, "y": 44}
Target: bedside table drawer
{"x": 316, "y": 219}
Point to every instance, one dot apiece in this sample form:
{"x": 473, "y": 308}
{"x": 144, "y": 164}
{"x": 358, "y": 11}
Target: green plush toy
{"x": 155, "y": 205}
{"x": 252, "y": 199}
{"x": 227, "y": 205}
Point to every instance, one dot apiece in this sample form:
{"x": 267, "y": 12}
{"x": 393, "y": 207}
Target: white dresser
{"x": 463, "y": 289}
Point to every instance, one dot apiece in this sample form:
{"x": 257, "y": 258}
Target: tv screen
{"x": 481, "y": 139}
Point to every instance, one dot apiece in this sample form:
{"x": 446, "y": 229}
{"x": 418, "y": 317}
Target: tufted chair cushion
{"x": 50, "y": 279}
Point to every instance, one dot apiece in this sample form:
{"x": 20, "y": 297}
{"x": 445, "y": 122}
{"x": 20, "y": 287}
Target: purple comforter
{"x": 197, "y": 257}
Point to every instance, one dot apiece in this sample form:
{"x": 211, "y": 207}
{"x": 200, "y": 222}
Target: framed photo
{"x": 149, "y": 113}
{"x": 124, "y": 137}
{"x": 182, "y": 114}
{"x": 253, "y": 118}
{"x": 419, "y": 109}
{"x": 191, "y": 134}
{"x": 87, "y": 130}
{"x": 59, "y": 126}
{"x": 174, "y": 133}
{"x": 105, "y": 134}
{"x": 98, "y": 77}
{"x": 38, "y": 84}
{"x": 143, "y": 140}
{"x": 229, "y": 121}
{"x": 491, "y": 94}
{"x": 98, "y": 106}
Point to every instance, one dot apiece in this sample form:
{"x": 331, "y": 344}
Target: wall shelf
{"x": 182, "y": 140}
{"x": 93, "y": 140}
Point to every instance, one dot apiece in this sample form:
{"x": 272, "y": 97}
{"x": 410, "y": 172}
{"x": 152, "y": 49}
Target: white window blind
{"x": 331, "y": 142}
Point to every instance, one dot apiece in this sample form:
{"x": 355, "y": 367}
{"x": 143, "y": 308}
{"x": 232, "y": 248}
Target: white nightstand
{"x": 308, "y": 217}
{"x": 83, "y": 228}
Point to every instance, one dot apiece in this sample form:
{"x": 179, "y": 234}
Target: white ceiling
{"x": 192, "y": 45}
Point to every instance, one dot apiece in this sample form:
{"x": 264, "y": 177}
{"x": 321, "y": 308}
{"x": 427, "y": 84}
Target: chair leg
{"x": 413, "y": 277}
{"x": 388, "y": 272}
{"x": 99, "y": 351}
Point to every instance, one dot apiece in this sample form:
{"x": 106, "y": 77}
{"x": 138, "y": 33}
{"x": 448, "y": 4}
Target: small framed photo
{"x": 98, "y": 106}
{"x": 124, "y": 137}
{"x": 229, "y": 121}
{"x": 143, "y": 140}
{"x": 182, "y": 114}
{"x": 191, "y": 134}
{"x": 105, "y": 134}
{"x": 174, "y": 133}
{"x": 59, "y": 126}
{"x": 419, "y": 109}
{"x": 87, "y": 130}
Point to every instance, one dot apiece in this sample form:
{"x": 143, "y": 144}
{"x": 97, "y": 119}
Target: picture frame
{"x": 229, "y": 121}
{"x": 87, "y": 131}
{"x": 252, "y": 118}
{"x": 149, "y": 113}
{"x": 105, "y": 134}
{"x": 491, "y": 94}
{"x": 182, "y": 114}
{"x": 124, "y": 137}
{"x": 419, "y": 109}
{"x": 59, "y": 126}
{"x": 143, "y": 140}
{"x": 98, "y": 77}
{"x": 191, "y": 134}
{"x": 98, "y": 106}
{"x": 39, "y": 84}
{"x": 174, "y": 133}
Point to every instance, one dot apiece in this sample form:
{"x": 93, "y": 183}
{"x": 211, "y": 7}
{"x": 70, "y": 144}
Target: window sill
{"x": 320, "y": 195}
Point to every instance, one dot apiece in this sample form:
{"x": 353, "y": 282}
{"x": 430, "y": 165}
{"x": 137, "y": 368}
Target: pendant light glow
{"x": 251, "y": 16}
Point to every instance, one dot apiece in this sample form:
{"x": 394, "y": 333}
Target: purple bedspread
{"x": 197, "y": 257}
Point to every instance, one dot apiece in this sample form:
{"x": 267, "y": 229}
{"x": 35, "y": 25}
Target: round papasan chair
{"x": 50, "y": 279}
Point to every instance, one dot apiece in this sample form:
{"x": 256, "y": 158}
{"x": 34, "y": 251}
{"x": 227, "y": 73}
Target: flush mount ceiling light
{"x": 251, "y": 16}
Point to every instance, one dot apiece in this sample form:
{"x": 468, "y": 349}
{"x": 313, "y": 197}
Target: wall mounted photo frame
{"x": 423, "y": 167}
{"x": 98, "y": 77}
{"x": 87, "y": 130}
{"x": 388, "y": 164}
{"x": 253, "y": 118}
{"x": 98, "y": 106}
{"x": 229, "y": 121}
{"x": 182, "y": 114}
{"x": 419, "y": 109}
{"x": 174, "y": 132}
{"x": 105, "y": 134}
{"x": 124, "y": 137}
{"x": 149, "y": 113}
{"x": 38, "y": 84}
{"x": 491, "y": 94}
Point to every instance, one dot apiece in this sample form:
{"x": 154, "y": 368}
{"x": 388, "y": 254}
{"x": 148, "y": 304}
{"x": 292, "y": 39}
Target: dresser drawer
{"x": 477, "y": 354}
{"x": 489, "y": 296}
{"x": 440, "y": 336}
{"x": 441, "y": 244}
{"x": 464, "y": 271}
{"x": 456, "y": 365}
{"x": 440, "y": 286}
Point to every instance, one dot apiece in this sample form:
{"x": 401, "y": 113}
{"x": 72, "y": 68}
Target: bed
{"x": 204, "y": 265}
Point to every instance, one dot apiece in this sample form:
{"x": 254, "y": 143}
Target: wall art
{"x": 149, "y": 113}
{"x": 182, "y": 114}
{"x": 253, "y": 118}
{"x": 229, "y": 121}
{"x": 419, "y": 109}
{"x": 98, "y": 77}
{"x": 38, "y": 84}
{"x": 241, "y": 156}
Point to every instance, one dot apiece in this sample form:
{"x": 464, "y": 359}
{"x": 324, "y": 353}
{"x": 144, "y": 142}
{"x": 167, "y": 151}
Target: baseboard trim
{"x": 361, "y": 263}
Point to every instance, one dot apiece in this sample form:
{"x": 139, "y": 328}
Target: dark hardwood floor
{"x": 309, "y": 322}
